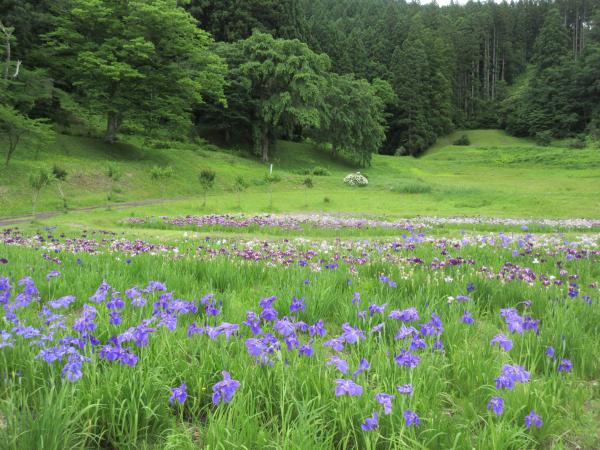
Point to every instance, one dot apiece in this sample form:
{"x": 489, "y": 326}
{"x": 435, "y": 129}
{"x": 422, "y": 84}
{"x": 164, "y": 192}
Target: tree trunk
{"x": 334, "y": 151}
{"x": 264, "y": 144}
{"x": 112, "y": 127}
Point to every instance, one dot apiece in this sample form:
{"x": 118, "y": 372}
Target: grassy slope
{"x": 497, "y": 175}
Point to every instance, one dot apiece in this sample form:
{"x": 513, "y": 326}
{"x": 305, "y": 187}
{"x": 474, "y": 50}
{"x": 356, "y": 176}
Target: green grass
{"x": 291, "y": 404}
{"x": 497, "y": 175}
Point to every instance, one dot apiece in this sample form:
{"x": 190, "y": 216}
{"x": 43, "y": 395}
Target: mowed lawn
{"x": 497, "y": 175}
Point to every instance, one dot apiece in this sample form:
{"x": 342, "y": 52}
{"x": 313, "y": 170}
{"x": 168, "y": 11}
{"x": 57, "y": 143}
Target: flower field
{"x": 391, "y": 334}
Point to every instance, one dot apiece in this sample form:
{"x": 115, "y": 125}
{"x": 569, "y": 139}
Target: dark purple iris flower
{"x": 385, "y": 400}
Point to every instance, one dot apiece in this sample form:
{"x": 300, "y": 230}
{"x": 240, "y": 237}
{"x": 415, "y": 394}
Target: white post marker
{"x": 271, "y": 170}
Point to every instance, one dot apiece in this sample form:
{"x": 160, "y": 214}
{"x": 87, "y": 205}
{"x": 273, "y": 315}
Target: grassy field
{"x": 497, "y": 175}
{"x": 505, "y": 312}
{"x": 52, "y": 397}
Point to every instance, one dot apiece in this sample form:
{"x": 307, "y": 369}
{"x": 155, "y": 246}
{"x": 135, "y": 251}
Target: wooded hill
{"x": 356, "y": 76}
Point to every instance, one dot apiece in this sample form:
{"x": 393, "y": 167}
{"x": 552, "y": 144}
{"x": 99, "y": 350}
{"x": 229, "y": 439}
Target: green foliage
{"x": 463, "y": 140}
{"x": 15, "y": 126}
{"x": 272, "y": 178}
{"x": 206, "y": 177}
{"x": 543, "y": 138}
{"x": 353, "y": 116}
{"x": 146, "y": 62}
{"x": 412, "y": 188}
{"x": 59, "y": 172}
{"x": 113, "y": 172}
{"x": 577, "y": 143}
{"x": 308, "y": 183}
{"x": 319, "y": 171}
{"x": 38, "y": 181}
{"x": 279, "y": 82}
{"x": 161, "y": 174}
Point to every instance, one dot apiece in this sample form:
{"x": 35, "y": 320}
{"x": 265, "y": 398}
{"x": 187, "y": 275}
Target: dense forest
{"x": 355, "y": 76}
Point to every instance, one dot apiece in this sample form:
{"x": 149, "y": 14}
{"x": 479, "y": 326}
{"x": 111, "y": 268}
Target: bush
{"x": 273, "y": 178}
{"x": 577, "y": 143}
{"x": 326, "y": 200}
{"x": 356, "y": 179}
{"x": 59, "y": 172}
{"x": 412, "y": 188}
{"x": 207, "y": 177}
{"x": 158, "y": 173}
{"x": 543, "y": 138}
{"x": 463, "y": 140}
{"x": 320, "y": 172}
{"x": 308, "y": 182}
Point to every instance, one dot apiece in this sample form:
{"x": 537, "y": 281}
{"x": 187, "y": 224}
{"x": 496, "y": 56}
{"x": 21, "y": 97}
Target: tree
{"x": 138, "y": 60}
{"x": 161, "y": 175}
{"x": 283, "y": 81}
{"x": 38, "y": 181}
{"x": 15, "y": 126}
{"x": 353, "y": 117}
{"x": 239, "y": 186}
{"x": 207, "y": 181}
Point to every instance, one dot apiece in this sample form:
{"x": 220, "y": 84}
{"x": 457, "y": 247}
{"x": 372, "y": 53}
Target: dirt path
{"x": 49, "y": 214}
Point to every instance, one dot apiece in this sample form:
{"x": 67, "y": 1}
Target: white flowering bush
{"x": 356, "y": 179}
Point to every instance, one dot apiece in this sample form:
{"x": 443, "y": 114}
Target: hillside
{"x": 497, "y": 175}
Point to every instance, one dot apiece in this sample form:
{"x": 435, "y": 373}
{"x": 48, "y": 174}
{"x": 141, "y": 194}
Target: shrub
{"x": 113, "y": 172}
{"x": 412, "y": 188}
{"x": 207, "y": 181}
{"x": 273, "y": 178}
{"x": 401, "y": 151}
{"x": 59, "y": 172}
{"x": 463, "y": 140}
{"x": 577, "y": 143}
{"x": 356, "y": 179}
{"x": 326, "y": 200}
{"x": 161, "y": 173}
{"x": 308, "y": 182}
{"x": 320, "y": 172}
{"x": 543, "y": 138}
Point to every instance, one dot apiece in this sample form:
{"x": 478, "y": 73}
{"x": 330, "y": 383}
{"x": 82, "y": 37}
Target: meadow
{"x": 390, "y": 316}
{"x": 497, "y": 176}
{"x": 394, "y": 342}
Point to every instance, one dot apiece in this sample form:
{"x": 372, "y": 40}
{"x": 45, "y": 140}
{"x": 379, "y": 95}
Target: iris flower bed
{"x": 484, "y": 341}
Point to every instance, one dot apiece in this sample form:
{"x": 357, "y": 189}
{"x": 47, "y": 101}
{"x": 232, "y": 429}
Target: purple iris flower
{"x": 297, "y": 305}
{"x": 317, "y": 328}
{"x": 347, "y": 387}
{"x": 285, "y": 327}
{"x": 549, "y": 352}
{"x": 362, "y": 366}
{"x": 533, "y": 419}
{"x": 62, "y": 302}
{"x": 352, "y": 335}
{"x": 336, "y": 344}
{"x": 407, "y": 359}
{"x": 411, "y": 418}
{"x": 385, "y": 400}
{"x": 101, "y": 293}
{"x": 467, "y": 318}
{"x": 405, "y": 389}
{"x": 565, "y": 365}
{"x": 179, "y": 394}
{"x": 405, "y": 332}
{"x": 371, "y": 423}
{"x": 52, "y": 274}
{"x": 339, "y": 363}
{"x": 224, "y": 390}
{"x": 496, "y": 404}
{"x": 405, "y": 315}
{"x": 377, "y": 309}
{"x": 503, "y": 342}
